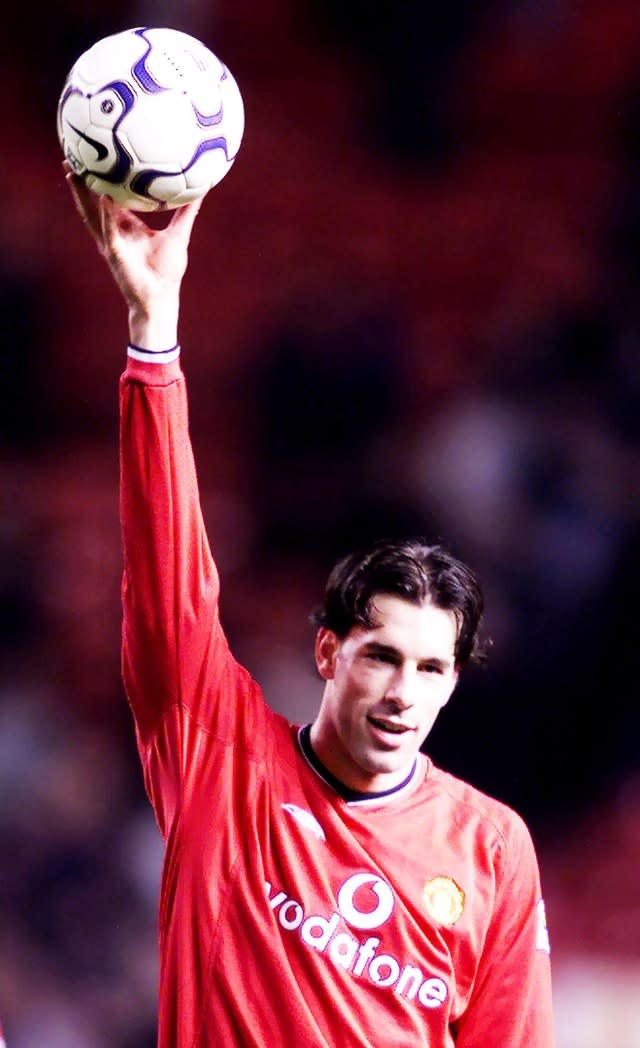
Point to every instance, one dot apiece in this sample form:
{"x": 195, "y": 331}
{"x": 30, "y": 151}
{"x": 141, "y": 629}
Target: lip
{"x": 390, "y": 739}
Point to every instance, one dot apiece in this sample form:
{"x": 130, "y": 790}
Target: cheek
{"x": 428, "y": 719}
{"x": 444, "y": 696}
{"x": 358, "y": 681}
{"x": 435, "y": 699}
{"x": 353, "y": 697}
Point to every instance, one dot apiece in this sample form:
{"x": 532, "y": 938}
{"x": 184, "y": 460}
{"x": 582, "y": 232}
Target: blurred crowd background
{"x": 412, "y": 307}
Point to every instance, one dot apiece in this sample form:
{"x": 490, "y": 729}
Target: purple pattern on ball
{"x": 211, "y": 120}
{"x": 141, "y": 183}
{"x": 123, "y": 162}
{"x": 140, "y": 72}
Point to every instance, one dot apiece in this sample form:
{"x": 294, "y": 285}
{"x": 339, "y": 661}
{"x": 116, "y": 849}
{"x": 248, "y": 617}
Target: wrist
{"x": 153, "y": 356}
{"x": 155, "y": 328}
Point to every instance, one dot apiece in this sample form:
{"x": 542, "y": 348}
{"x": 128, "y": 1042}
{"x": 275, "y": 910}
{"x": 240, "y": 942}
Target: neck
{"x": 348, "y": 792}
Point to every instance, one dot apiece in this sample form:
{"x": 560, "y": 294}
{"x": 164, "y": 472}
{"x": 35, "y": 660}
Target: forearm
{"x": 171, "y": 585}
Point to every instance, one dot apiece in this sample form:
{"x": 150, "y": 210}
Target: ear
{"x": 327, "y": 645}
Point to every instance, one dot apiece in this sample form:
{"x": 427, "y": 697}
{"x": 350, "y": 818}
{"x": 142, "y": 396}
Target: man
{"x": 323, "y": 885}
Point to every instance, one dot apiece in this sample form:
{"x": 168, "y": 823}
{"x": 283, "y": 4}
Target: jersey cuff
{"x": 153, "y": 356}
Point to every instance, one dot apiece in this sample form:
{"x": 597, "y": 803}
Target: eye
{"x": 431, "y": 667}
{"x": 384, "y": 657}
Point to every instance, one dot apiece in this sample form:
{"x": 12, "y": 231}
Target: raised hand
{"x": 147, "y": 263}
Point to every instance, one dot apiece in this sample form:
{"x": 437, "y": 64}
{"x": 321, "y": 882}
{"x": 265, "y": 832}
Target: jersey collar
{"x": 349, "y": 795}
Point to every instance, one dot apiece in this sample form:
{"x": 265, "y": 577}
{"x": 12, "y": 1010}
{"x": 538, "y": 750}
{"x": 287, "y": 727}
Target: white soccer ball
{"x": 150, "y": 117}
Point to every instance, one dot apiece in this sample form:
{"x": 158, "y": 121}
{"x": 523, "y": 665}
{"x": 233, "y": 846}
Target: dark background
{"x": 412, "y": 306}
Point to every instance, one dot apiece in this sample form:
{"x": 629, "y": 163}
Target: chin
{"x": 388, "y": 764}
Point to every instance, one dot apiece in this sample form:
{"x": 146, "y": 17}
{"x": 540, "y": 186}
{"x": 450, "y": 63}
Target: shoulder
{"x": 487, "y": 818}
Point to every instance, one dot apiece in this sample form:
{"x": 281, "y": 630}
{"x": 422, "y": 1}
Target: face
{"x": 384, "y": 689}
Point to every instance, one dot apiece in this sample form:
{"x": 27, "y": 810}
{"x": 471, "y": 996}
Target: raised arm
{"x": 174, "y": 653}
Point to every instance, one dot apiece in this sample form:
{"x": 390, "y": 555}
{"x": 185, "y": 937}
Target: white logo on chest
{"x": 306, "y": 819}
{"x": 366, "y": 958}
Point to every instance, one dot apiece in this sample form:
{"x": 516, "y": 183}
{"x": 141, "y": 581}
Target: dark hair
{"x": 413, "y": 570}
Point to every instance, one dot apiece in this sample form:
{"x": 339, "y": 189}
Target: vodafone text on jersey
{"x": 360, "y": 957}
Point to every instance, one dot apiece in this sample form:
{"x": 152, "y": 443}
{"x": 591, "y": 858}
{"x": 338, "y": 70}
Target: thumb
{"x": 184, "y": 217}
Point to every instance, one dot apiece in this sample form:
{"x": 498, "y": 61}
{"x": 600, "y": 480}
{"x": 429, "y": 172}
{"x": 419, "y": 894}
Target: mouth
{"x": 389, "y": 727}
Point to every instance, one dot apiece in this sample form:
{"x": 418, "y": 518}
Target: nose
{"x": 401, "y": 686}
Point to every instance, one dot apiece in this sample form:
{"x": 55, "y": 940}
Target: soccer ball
{"x": 150, "y": 117}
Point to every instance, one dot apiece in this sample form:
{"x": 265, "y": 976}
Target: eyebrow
{"x": 375, "y": 647}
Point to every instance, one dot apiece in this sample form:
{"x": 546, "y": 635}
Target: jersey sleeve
{"x": 511, "y": 999}
{"x": 180, "y": 678}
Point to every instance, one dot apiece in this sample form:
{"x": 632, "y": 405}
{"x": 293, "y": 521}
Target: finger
{"x": 108, "y": 223}
{"x": 86, "y": 203}
{"x": 183, "y": 218}
{"x": 119, "y": 223}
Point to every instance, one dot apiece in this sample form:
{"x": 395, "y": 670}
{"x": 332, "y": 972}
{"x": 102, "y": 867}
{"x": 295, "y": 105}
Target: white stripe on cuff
{"x": 154, "y": 356}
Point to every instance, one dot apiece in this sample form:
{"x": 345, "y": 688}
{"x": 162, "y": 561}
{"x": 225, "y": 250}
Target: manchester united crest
{"x": 444, "y": 900}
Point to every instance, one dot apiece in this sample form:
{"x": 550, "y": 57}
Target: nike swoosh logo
{"x": 306, "y": 819}
{"x": 101, "y": 151}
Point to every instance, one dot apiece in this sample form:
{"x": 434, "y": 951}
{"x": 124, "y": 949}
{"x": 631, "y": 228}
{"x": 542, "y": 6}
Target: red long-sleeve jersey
{"x": 288, "y": 915}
